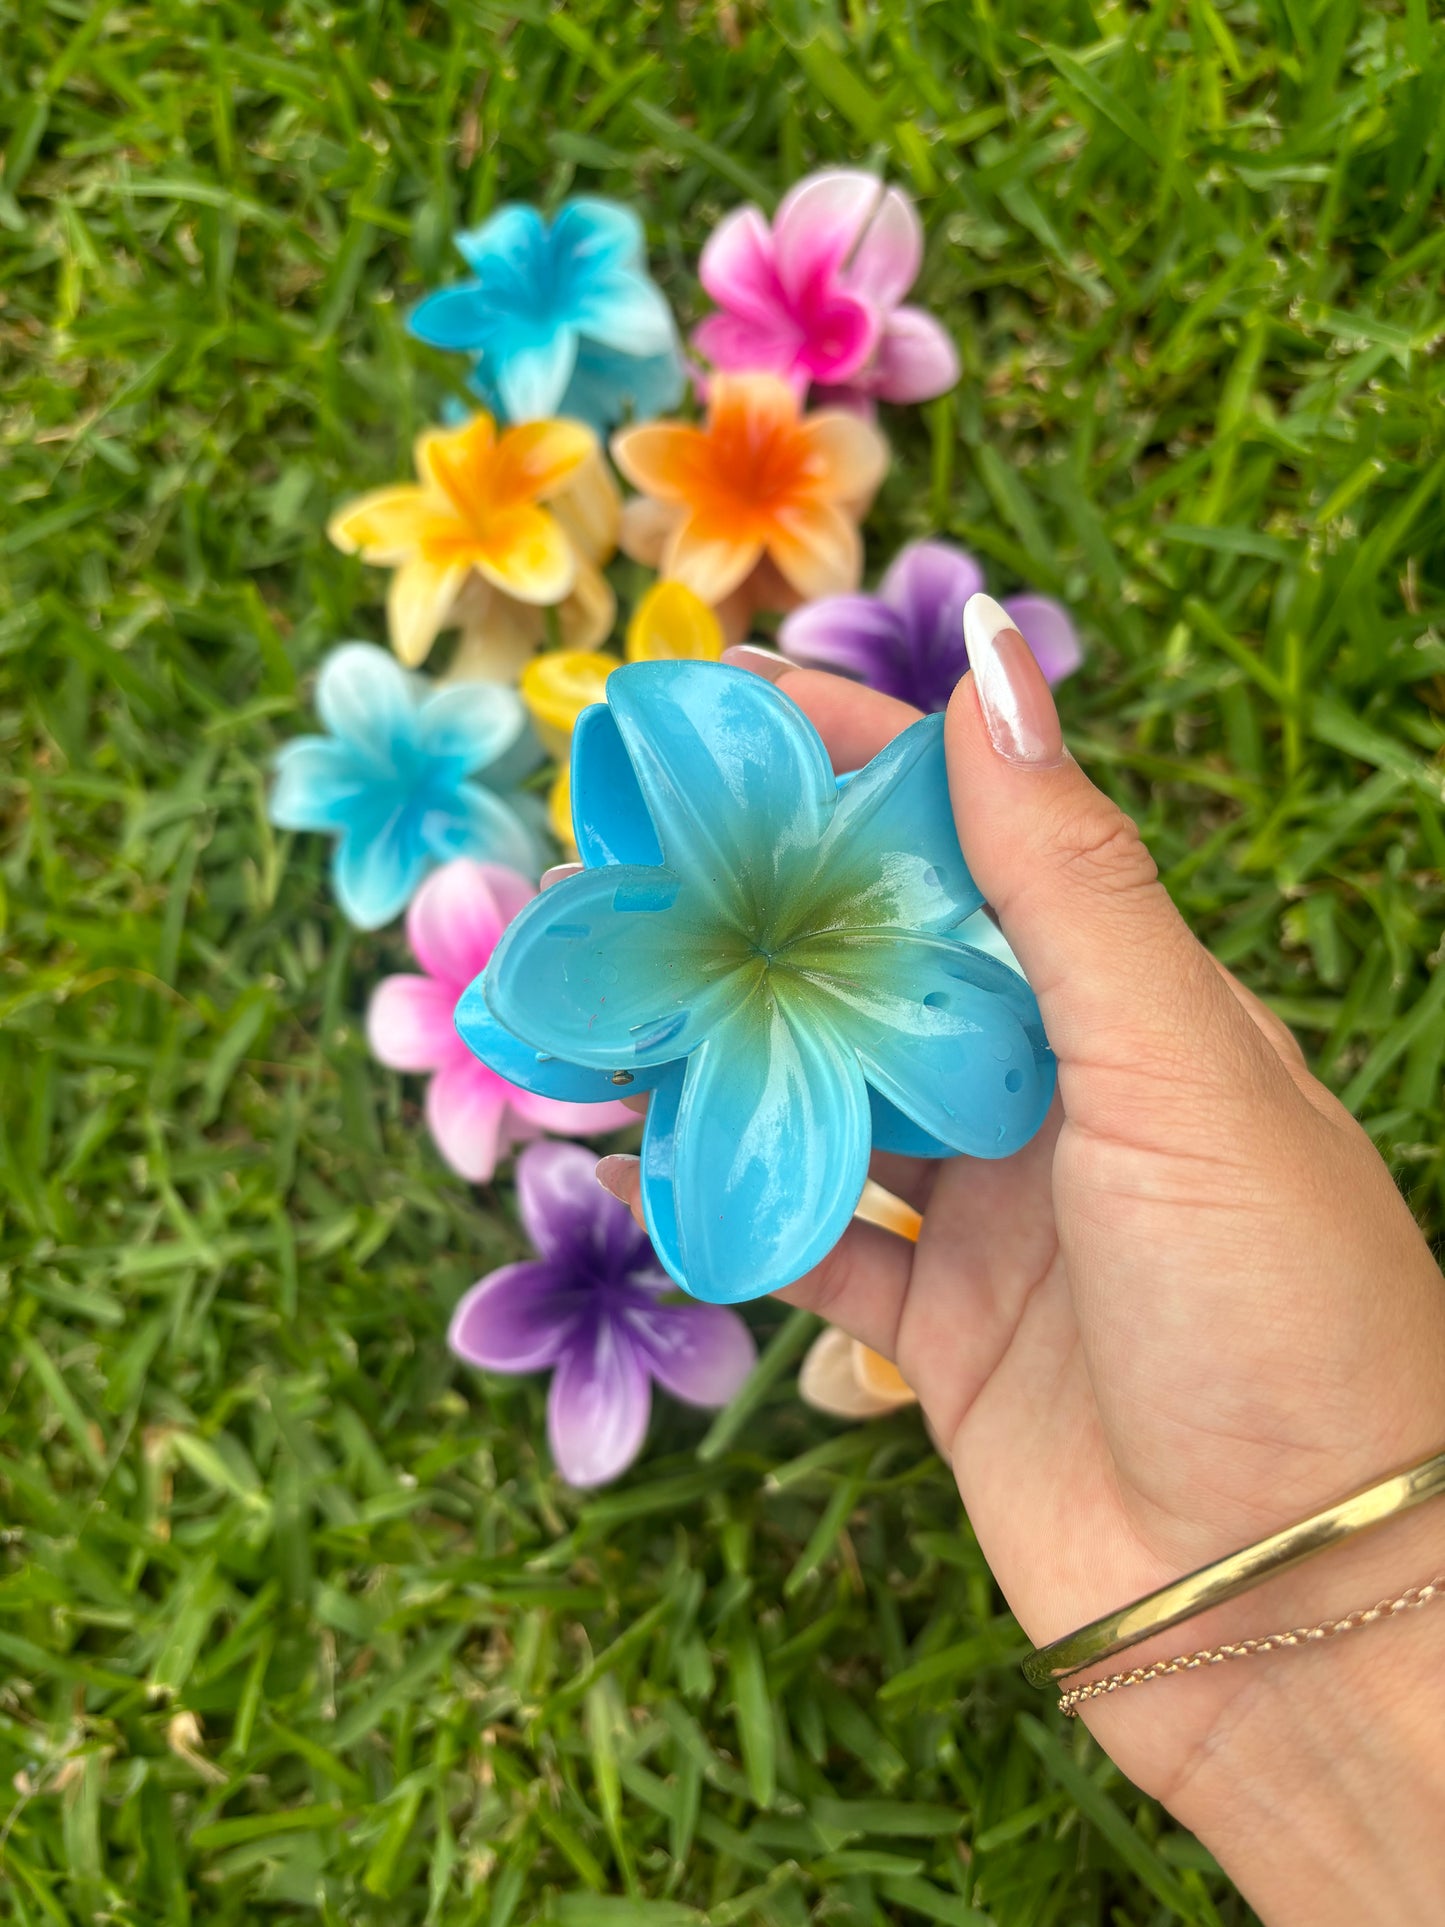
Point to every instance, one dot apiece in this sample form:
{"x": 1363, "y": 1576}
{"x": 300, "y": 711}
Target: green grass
{"x": 295, "y": 1621}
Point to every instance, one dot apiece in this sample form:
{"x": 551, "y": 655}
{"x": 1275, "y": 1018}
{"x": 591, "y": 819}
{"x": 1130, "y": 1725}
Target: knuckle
{"x": 1284, "y": 1042}
{"x": 1103, "y": 848}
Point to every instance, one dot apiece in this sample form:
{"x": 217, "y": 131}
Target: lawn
{"x": 296, "y": 1621}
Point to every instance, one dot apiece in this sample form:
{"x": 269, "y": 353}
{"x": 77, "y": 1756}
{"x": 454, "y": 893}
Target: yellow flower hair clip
{"x": 670, "y": 624}
{"x": 501, "y": 525}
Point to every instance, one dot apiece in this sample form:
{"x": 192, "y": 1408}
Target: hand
{"x": 1194, "y": 1309}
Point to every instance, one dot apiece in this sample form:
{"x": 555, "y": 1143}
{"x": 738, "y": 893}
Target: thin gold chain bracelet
{"x": 1073, "y": 1697}
{"x": 1237, "y": 1572}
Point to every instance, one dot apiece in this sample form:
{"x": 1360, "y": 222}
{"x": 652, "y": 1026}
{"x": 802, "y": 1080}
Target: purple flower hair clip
{"x": 906, "y": 639}
{"x": 590, "y": 1308}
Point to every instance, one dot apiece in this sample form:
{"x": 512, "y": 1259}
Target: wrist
{"x": 1323, "y": 1802}
{"x": 1316, "y": 1775}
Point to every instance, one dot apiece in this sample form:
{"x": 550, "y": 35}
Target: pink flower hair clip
{"x": 817, "y": 296}
{"x": 474, "y": 1116}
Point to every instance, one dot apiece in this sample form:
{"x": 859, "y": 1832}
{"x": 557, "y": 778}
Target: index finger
{"x": 855, "y": 722}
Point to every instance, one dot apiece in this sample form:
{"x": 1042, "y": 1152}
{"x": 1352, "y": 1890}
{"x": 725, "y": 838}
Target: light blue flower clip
{"x": 411, "y": 774}
{"x": 561, "y": 319}
{"x": 776, "y": 958}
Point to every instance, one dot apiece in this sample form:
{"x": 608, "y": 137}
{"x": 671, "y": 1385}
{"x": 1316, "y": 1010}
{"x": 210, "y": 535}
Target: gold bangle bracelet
{"x": 1237, "y": 1572}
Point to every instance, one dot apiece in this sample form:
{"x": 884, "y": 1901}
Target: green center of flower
{"x": 790, "y": 947}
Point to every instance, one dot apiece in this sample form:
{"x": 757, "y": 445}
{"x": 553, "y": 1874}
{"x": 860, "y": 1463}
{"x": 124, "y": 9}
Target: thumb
{"x": 1122, "y": 984}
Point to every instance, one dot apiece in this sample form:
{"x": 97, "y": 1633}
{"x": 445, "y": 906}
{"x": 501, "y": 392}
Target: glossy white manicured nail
{"x": 762, "y": 662}
{"x": 557, "y": 872}
{"x": 1013, "y": 693}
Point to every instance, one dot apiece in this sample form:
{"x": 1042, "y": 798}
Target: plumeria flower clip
{"x": 590, "y": 1307}
{"x": 759, "y": 507}
{"x": 817, "y": 295}
{"x": 561, "y": 319}
{"x": 499, "y": 527}
{"x": 408, "y": 776}
{"x": 474, "y": 1116}
{"x": 907, "y": 638}
{"x": 669, "y": 624}
{"x": 844, "y": 1378}
{"x": 774, "y": 957}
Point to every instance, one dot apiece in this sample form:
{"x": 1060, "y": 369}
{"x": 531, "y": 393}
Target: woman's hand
{"x": 1194, "y": 1309}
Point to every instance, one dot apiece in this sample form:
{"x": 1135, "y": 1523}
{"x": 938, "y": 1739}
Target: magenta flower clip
{"x": 474, "y": 1116}
{"x": 818, "y": 295}
{"x": 590, "y": 1307}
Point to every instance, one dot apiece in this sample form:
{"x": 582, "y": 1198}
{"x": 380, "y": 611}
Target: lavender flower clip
{"x": 589, "y": 1308}
{"x": 907, "y": 638}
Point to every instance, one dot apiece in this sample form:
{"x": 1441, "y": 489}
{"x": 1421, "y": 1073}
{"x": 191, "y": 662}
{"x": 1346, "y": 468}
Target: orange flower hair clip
{"x": 759, "y": 507}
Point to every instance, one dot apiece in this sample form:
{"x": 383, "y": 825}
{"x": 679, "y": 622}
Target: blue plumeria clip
{"x": 561, "y": 319}
{"x": 776, "y": 958}
{"x": 411, "y": 774}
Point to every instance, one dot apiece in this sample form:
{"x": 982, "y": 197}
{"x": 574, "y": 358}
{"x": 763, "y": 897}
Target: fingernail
{"x": 557, "y": 872}
{"x": 762, "y": 662}
{"x": 615, "y": 1174}
{"x": 1013, "y": 693}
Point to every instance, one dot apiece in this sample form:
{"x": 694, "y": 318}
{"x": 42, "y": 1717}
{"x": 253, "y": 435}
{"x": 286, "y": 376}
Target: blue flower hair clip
{"x": 410, "y": 775}
{"x": 775, "y": 957}
{"x": 561, "y": 320}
